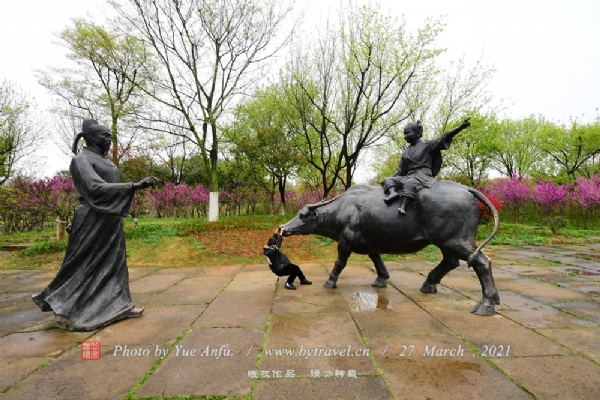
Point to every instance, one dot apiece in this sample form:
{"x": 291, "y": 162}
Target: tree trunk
{"x": 60, "y": 229}
{"x": 213, "y": 207}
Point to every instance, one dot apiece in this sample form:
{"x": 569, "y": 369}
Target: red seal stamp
{"x": 90, "y": 350}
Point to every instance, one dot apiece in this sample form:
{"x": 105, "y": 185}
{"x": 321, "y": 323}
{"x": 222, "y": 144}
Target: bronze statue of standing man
{"x": 419, "y": 165}
{"x": 91, "y": 289}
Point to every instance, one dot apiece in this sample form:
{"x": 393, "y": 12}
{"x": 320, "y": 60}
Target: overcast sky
{"x": 546, "y": 53}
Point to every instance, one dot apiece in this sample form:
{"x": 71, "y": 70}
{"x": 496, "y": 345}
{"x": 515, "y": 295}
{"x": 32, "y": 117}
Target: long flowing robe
{"x": 91, "y": 288}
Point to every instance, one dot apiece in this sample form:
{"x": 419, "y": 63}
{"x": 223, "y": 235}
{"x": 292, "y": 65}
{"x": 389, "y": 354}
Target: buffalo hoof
{"x": 329, "y": 284}
{"x": 379, "y": 282}
{"x": 428, "y": 288}
{"x": 496, "y": 299}
{"x": 484, "y": 307}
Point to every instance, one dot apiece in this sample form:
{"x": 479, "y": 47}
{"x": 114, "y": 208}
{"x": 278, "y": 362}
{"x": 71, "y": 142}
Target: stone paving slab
{"x": 158, "y": 325}
{"x": 549, "y": 316}
{"x": 586, "y": 309}
{"x": 137, "y": 273}
{"x": 231, "y": 309}
{"x": 414, "y": 371}
{"x": 156, "y": 282}
{"x": 31, "y": 284}
{"x": 315, "y": 331}
{"x": 196, "y": 290}
{"x": 308, "y": 299}
{"x": 586, "y": 271}
{"x": 13, "y": 369}
{"x": 569, "y": 377}
{"x": 203, "y": 373}
{"x": 14, "y": 298}
{"x": 253, "y": 280}
{"x": 582, "y": 339}
{"x": 541, "y": 291}
{"x": 68, "y": 377}
{"x": 418, "y": 265}
{"x": 21, "y": 315}
{"x": 534, "y": 314}
{"x": 222, "y": 270}
{"x": 380, "y": 312}
{"x": 333, "y": 388}
{"x": 40, "y": 343}
{"x": 493, "y": 335}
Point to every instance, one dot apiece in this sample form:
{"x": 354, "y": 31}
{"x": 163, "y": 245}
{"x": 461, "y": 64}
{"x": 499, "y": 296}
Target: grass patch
{"x": 525, "y": 235}
{"x": 322, "y": 240}
{"x": 430, "y": 253}
{"x": 151, "y": 233}
{"x": 240, "y": 240}
{"x": 257, "y": 222}
{"x": 46, "y": 247}
{"x": 34, "y": 236}
{"x": 389, "y": 257}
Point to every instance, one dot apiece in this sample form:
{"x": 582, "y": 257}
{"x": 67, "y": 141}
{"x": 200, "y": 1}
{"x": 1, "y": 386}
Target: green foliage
{"x": 513, "y": 235}
{"x": 193, "y": 226}
{"x": 151, "y": 233}
{"x": 322, "y": 240}
{"x": 555, "y": 223}
{"x": 512, "y": 150}
{"x": 46, "y": 247}
{"x": 389, "y": 257}
{"x": 571, "y": 148}
{"x": 471, "y": 152}
{"x": 350, "y": 87}
{"x": 197, "y": 244}
{"x": 19, "y": 127}
{"x": 262, "y": 148}
{"x": 430, "y": 253}
{"x": 111, "y": 72}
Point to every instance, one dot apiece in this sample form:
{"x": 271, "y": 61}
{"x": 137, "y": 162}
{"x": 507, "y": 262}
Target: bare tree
{"x": 443, "y": 99}
{"x": 105, "y": 84}
{"x": 20, "y": 126}
{"x": 350, "y": 89}
{"x": 209, "y": 52}
{"x": 172, "y": 153}
{"x": 460, "y": 89}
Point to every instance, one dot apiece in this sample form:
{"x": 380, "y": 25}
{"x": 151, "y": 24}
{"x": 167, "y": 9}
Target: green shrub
{"x": 555, "y": 223}
{"x": 46, "y": 247}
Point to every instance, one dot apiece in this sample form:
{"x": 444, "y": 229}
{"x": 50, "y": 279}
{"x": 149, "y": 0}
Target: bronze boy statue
{"x": 419, "y": 165}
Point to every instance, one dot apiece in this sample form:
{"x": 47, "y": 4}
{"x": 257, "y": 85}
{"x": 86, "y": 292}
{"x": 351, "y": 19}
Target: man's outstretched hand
{"x": 144, "y": 183}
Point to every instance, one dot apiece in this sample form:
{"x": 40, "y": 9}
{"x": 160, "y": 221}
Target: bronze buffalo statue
{"x": 445, "y": 215}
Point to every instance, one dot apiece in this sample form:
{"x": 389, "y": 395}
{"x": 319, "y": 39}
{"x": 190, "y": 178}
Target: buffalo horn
{"x": 320, "y": 204}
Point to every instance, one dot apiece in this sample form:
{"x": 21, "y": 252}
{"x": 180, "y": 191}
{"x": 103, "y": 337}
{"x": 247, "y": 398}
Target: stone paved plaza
{"x": 235, "y": 332}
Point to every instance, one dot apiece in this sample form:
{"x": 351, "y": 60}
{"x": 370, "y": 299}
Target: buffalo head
{"x": 306, "y": 221}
